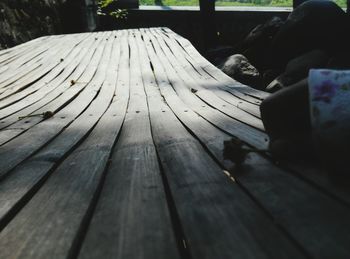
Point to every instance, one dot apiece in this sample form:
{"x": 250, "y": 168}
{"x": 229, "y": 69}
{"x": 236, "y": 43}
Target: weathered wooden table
{"x": 131, "y": 164}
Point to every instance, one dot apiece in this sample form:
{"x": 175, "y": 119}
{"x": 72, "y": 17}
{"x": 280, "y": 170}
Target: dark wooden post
{"x": 207, "y": 9}
{"x": 90, "y": 15}
{"x": 72, "y": 16}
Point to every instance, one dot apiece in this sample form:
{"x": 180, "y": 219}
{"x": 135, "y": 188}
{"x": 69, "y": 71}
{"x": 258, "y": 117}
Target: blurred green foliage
{"x": 104, "y": 3}
{"x": 105, "y": 7}
{"x": 276, "y": 3}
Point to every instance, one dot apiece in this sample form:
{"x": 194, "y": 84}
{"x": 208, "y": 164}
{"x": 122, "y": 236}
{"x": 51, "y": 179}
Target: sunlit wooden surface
{"x": 131, "y": 163}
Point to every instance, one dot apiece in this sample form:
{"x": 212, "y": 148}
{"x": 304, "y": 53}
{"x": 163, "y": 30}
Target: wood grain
{"x": 131, "y": 164}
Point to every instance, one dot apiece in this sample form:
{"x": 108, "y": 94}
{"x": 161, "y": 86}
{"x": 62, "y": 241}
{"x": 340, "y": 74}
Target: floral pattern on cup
{"x": 325, "y": 91}
{"x": 329, "y": 95}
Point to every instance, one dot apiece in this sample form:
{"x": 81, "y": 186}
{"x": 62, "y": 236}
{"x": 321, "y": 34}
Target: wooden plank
{"x": 50, "y": 61}
{"x": 70, "y": 52}
{"x": 188, "y": 47}
{"x": 25, "y": 179}
{"x": 218, "y": 218}
{"x": 132, "y": 211}
{"x": 227, "y": 124}
{"x": 202, "y": 76}
{"x": 38, "y": 135}
{"x": 19, "y": 55}
{"x": 56, "y": 99}
{"x": 13, "y": 77}
{"x": 3, "y": 68}
{"x": 32, "y": 55}
{"x": 17, "y": 52}
{"x": 12, "y": 127}
{"x": 207, "y": 96}
{"x": 323, "y": 219}
{"x": 73, "y": 71}
{"x": 45, "y": 83}
{"x": 319, "y": 177}
{"x": 9, "y": 54}
{"x": 11, "y": 51}
{"x": 207, "y": 133}
{"x": 51, "y": 224}
{"x": 27, "y": 63}
{"x": 234, "y": 87}
{"x": 330, "y": 182}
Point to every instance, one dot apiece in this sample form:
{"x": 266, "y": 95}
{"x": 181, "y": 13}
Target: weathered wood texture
{"x": 131, "y": 164}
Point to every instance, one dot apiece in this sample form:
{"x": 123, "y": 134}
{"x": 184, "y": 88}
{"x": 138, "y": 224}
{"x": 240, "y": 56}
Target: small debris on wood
{"x": 235, "y": 151}
{"x": 45, "y": 115}
{"x": 194, "y": 90}
{"x": 61, "y": 60}
{"x": 229, "y": 175}
{"x": 73, "y": 82}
